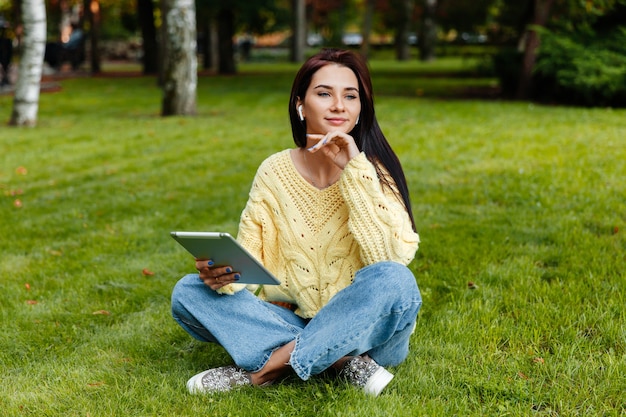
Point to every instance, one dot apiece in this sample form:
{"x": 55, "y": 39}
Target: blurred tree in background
{"x": 562, "y": 50}
{"x": 552, "y": 50}
{"x": 26, "y": 97}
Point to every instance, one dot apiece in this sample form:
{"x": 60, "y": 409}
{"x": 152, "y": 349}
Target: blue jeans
{"x": 375, "y": 315}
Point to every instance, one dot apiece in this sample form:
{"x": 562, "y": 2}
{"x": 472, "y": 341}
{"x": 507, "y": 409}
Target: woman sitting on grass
{"x": 331, "y": 219}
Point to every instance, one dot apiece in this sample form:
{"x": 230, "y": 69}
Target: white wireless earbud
{"x": 300, "y": 113}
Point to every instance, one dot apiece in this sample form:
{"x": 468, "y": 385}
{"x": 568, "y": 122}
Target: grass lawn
{"x": 521, "y": 210}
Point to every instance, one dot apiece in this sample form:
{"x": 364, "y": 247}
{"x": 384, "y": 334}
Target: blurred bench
{"x": 72, "y": 51}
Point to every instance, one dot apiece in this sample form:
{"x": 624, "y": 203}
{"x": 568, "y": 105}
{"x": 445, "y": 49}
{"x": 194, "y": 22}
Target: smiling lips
{"x": 336, "y": 120}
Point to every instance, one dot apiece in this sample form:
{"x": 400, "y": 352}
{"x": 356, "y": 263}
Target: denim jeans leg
{"x": 248, "y": 328}
{"x": 376, "y": 315}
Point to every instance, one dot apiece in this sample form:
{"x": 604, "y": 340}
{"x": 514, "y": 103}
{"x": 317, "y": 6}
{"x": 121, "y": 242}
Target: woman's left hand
{"x": 215, "y": 277}
{"x": 336, "y": 145}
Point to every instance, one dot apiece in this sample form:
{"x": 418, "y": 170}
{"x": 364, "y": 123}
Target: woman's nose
{"x": 338, "y": 104}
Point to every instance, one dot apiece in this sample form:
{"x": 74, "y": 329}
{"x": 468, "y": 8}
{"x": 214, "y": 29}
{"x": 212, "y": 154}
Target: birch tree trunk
{"x": 180, "y": 72}
{"x": 28, "y": 85}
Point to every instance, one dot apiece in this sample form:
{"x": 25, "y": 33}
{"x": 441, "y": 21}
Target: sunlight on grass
{"x": 520, "y": 209}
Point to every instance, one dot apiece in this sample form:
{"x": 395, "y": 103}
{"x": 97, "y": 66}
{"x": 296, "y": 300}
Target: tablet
{"x": 224, "y": 250}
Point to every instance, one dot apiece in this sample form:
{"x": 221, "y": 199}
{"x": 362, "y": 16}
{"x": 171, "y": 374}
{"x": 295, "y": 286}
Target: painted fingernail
{"x": 228, "y": 270}
{"x": 237, "y": 276}
{"x": 210, "y": 263}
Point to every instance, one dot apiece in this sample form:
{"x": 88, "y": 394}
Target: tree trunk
{"x": 214, "y": 45}
{"x": 540, "y": 18}
{"x": 92, "y": 9}
{"x": 428, "y": 35}
{"x": 163, "y": 43}
{"x": 403, "y": 51}
{"x": 367, "y": 27}
{"x": 204, "y": 48}
{"x": 180, "y": 74}
{"x": 145, "y": 12}
{"x": 209, "y": 47}
{"x": 225, "y": 34}
{"x": 28, "y": 85}
{"x": 299, "y": 31}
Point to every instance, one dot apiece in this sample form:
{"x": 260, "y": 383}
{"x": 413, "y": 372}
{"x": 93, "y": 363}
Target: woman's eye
{"x": 351, "y": 97}
{"x": 323, "y": 94}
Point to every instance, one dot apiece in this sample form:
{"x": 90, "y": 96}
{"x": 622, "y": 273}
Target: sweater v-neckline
{"x": 292, "y": 164}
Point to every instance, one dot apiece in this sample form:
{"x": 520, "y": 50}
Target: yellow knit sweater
{"x": 314, "y": 241}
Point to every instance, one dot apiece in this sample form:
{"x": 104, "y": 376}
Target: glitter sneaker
{"x": 364, "y": 373}
{"x": 220, "y": 379}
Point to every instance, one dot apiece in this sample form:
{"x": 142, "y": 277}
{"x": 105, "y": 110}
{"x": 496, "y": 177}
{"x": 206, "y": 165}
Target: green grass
{"x": 526, "y": 202}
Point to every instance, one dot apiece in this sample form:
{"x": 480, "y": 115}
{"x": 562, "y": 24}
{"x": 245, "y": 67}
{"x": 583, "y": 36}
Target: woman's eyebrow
{"x": 328, "y": 87}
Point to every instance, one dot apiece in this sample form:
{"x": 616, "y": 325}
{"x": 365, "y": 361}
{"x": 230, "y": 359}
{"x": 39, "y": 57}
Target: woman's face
{"x": 332, "y": 100}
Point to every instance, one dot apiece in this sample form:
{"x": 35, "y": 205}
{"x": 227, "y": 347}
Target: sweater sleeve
{"x": 378, "y": 219}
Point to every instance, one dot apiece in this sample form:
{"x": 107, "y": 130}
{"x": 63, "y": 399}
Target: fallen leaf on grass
{"x": 95, "y": 384}
{"x": 32, "y": 302}
{"x": 13, "y": 193}
{"x": 472, "y": 285}
{"x": 17, "y": 203}
{"x": 522, "y": 375}
{"x": 27, "y": 286}
{"x": 147, "y": 272}
{"x": 538, "y": 359}
{"x": 101, "y": 312}
{"x": 615, "y": 230}
{"x": 21, "y": 170}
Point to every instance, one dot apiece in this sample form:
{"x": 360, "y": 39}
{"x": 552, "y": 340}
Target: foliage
{"x": 581, "y": 59}
{"x": 118, "y": 16}
{"x": 5, "y": 6}
{"x": 508, "y": 20}
{"x": 575, "y": 15}
{"x": 581, "y": 70}
{"x": 463, "y": 15}
{"x": 259, "y": 17}
{"x": 332, "y": 18}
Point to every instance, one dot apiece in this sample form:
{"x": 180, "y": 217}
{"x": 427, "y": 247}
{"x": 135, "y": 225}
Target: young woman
{"x": 332, "y": 220}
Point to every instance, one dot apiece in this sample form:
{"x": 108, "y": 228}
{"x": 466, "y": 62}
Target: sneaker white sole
{"x": 194, "y": 385}
{"x": 377, "y": 382}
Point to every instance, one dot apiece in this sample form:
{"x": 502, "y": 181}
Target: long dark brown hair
{"x": 367, "y": 134}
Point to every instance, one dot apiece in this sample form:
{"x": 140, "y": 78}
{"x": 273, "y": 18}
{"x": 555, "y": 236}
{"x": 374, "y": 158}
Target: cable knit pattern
{"x": 314, "y": 241}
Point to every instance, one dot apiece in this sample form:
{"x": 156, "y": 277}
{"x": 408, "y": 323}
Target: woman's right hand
{"x": 336, "y": 145}
{"x": 216, "y": 277}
